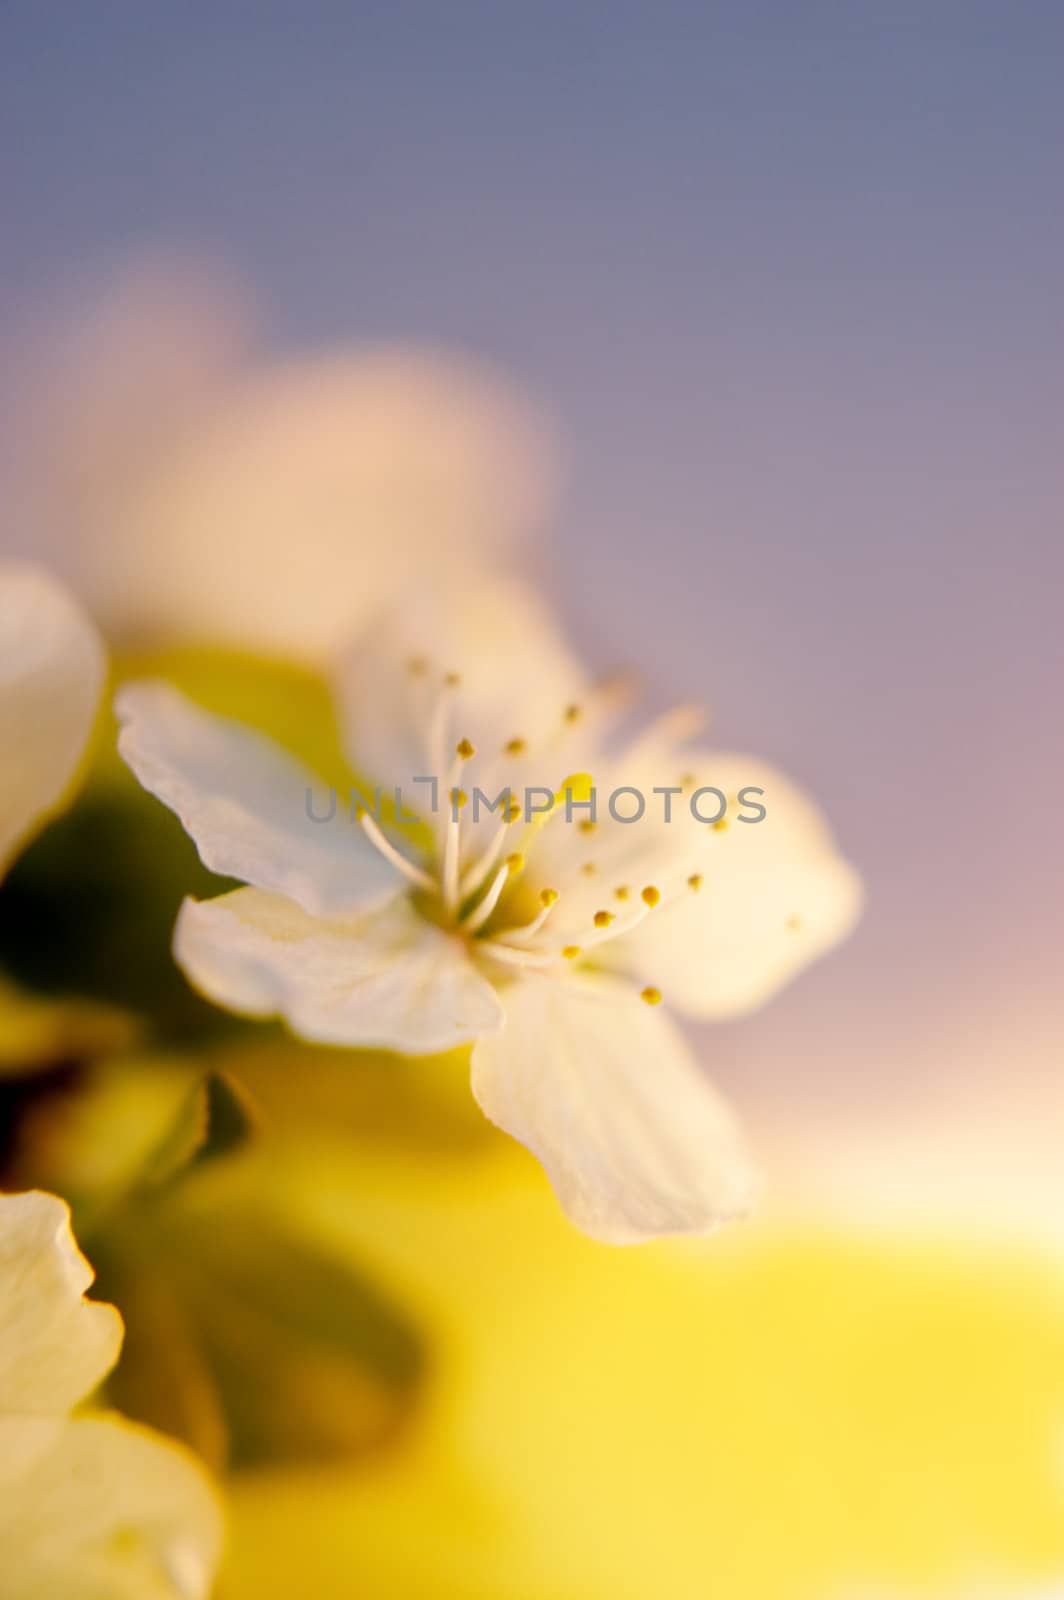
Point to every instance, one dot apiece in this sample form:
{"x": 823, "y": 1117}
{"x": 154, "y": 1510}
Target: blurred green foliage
{"x": 123, "y": 1091}
{"x": 90, "y": 906}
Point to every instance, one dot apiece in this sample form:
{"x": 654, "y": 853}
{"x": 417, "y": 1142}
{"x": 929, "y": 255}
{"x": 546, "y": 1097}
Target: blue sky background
{"x": 789, "y": 279}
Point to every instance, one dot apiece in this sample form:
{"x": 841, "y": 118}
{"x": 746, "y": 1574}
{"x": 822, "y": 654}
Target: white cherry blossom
{"x": 543, "y": 937}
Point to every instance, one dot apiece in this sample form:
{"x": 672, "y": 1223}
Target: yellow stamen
{"x": 516, "y": 862}
{"x": 464, "y": 749}
{"x": 577, "y": 787}
{"x": 548, "y": 899}
{"x": 651, "y": 895}
{"x": 573, "y": 713}
{"x": 390, "y": 853}
{"x": 480, "y": 914}
{"x": 695, "y": 881}
{"x": 452, "y": 832}
{"x": 589, "y": 869}
{"x": 452, "y": 679}
{"x": 571, "y": 951}
{"x": 602, "y": 919}
{"x": 587, "y": 826}
{"x": 720, "y": 824}
{"x": 515, "y": 747}
{"x": 651, "y": 995}
{"x": 623, "y": 893}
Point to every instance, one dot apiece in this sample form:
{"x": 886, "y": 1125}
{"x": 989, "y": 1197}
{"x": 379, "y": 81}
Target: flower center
{"x": 474, "y": 883}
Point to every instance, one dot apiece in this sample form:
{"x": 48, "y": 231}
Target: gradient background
{"x": 788, "y": 279}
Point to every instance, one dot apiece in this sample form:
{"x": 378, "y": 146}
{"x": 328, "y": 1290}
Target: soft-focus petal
{"x": 516, "y": 679}
{"x": 111, "y": 1512}
{"x": 388, "y": 979}
{"x": 90, "y": 1508}
{"x": 603, "y": 1091}
{"x": 55, "y": 1346}
{"x": 775, "y": 895}
{"x": 320, "y": 489}
{"x": 244, "y": 802}
{"x": 191, "y": 489}
{"x": 51, "y": 674}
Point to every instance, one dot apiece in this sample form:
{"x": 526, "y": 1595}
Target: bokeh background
{"x": 785, "y": 284}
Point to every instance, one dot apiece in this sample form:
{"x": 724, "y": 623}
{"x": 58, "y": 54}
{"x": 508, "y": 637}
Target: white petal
{"x": 111, "y": 1512}
{"x": 51, "y": 674}
{"x": 186, "y": 486}
{"x": 55, "y": 1346}
{"x": 387, "y": 464}
{"x": 517, "y": 679}
{"x": 387, "y": 979}
{"x": 775, "y": 895}
{"x": 244, "y": 801}
{"x": 604, "y": 1092}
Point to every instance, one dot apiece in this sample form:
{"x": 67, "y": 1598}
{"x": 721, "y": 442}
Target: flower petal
{"x": 516, "y": 675}
{"x": 386, "y": 979}
{"x": 163, "y": 463}
{"x": 244, "y": 801}
{"x": 51, "y": 674}
{"x": 54, "y": 1344}
{"x": 604, "y": 1092}
{"x": 113, "y": 1511}
{"x": 775, "y": 895}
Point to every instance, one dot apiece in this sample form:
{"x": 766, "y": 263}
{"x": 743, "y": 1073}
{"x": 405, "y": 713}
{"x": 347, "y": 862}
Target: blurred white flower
{"x": 189, "y": 490}
{"x": 51, "y": 675}
{"x": 537, "y": 939}
{"x": 91, "y": 1507}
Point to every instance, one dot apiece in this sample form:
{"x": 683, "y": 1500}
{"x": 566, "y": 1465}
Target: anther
{"x": 602, "y": 919}
{"x": 589, "y": 869}
{"x": 417, "y": 666}
{"x": 571, "y": 951}
{"x": 548, "y": 897}
{"x": 515, "y": 862}
{"x": 464, "y": 749}
{"x": 573, "y": 713}
{"x": 622, "y": 893}
{"x": 651, "y": 996}
{"x": 459, "y": 798}
{"x": 514, "y": 747}
{"x": 695, "y": 881}
{"x": 587, "y": 826}
{"x": 720, "y": 825}
{"x": 651, "y": 895}
{"x": 452, "y": 679}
